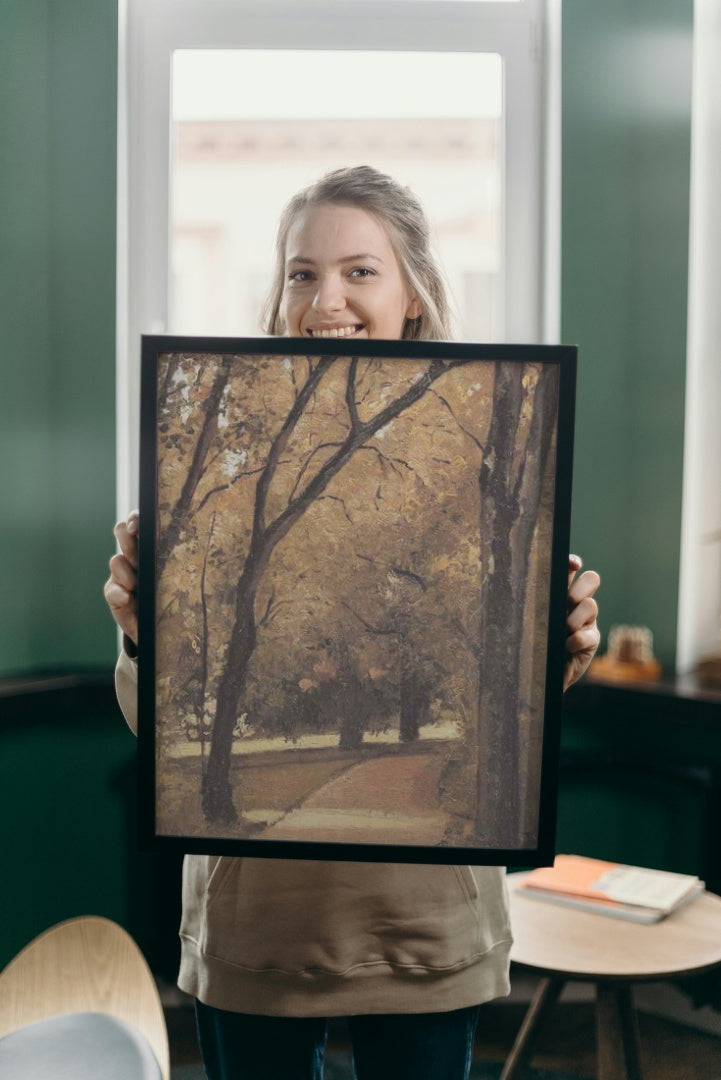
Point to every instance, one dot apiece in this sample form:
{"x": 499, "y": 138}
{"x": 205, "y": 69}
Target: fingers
{"x": 584, "y": 641}
{"x": 582, "y": 633}
{"x": 583, "y": 613}
{"x": 126, "y": 533}
{"x": 583, "y": 587}
{"x": 582, "y": 607}
{"x": 123, "y": 572}
{"x": 575, "y": 562}
{"x": 123, "y": 607}
{"x": 121, "y": 587}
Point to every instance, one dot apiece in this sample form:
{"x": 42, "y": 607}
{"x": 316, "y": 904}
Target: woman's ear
{"x": 415, "y": 309}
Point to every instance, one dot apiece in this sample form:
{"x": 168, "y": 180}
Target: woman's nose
{"x": 329, "y": 296}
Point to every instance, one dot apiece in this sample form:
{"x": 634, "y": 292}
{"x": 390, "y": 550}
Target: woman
{"x": 271, "y": 948}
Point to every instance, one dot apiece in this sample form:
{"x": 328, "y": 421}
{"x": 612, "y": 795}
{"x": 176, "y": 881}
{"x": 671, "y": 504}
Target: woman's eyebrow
{"x": 361, "y": 257}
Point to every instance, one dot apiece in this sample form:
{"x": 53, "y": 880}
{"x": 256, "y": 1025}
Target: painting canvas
{"x": 353, "y": 572}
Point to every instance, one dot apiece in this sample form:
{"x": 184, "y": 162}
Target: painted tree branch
{"x": 337, "y": 498}
{"x": 356, "y": 438}
{"x": 169, "y": 537}
{"x": 307, "y": 463}
{"x": 280, "y": 442}
{"x": 226, "y": 487}
{"x": 477, "y": 442}
{"x": 387, "y": 459}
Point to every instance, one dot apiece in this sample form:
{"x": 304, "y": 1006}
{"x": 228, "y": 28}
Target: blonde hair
{"x": 403, "y": 217}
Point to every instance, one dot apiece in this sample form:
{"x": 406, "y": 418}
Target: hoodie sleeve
{"x": 126, "y": 688}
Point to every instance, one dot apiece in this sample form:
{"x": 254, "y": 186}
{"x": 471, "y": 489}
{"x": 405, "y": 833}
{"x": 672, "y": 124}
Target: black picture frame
{"x": 353, "y": 572}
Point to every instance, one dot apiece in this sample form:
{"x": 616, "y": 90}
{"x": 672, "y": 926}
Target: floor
{"x": 670, "y": 1051}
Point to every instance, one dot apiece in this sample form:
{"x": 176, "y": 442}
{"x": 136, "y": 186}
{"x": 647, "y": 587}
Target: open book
{"x": 608, "y": 888}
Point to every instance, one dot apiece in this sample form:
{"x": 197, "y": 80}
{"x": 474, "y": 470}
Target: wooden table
{"x": 563, "y": 944}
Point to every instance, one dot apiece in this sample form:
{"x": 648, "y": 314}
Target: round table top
{"x": 559, "y": 940}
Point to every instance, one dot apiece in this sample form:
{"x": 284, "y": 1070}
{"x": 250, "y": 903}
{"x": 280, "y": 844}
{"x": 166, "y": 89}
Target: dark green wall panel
{"x": 61, "y": 788}
{"x": 82, "y": 273}
{"x": 68, "y": 792}
{"x": 25, "y": 382}
{"x": 626, "y": 144}
{"x": 58, "y": 76}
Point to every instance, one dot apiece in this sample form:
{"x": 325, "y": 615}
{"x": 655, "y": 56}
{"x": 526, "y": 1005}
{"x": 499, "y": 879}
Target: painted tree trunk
{"x": 510, "y": 486}
{"x": 412, "y": 702}
{"x": 217, "y": 795}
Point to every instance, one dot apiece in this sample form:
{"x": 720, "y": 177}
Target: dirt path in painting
{"x": 381, "y": 800}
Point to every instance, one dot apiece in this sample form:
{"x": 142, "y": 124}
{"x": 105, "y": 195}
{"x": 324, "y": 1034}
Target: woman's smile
{"x": 335, "y": 331}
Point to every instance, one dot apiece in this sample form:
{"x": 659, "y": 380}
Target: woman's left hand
{"x": 583, "y": 636}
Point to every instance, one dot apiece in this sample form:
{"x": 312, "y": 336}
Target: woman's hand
{"x": 583, "y": 635}
{"x": 121, "y": 587}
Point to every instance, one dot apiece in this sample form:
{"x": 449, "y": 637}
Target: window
{"x": 227, "y": 107}
{"x": 237, "y": 158}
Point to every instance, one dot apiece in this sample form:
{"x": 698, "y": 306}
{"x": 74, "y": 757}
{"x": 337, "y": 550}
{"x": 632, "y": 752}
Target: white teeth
{"x": 335, "y": 332}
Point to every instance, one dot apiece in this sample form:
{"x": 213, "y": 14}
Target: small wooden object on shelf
{"x": 709, "y": 670}
{"x": 629, "y": 657}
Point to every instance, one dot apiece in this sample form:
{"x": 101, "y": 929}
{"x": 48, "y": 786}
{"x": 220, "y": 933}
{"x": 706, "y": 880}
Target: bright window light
{"x": 434, "y": 121}
{"x": 223, "y": 84}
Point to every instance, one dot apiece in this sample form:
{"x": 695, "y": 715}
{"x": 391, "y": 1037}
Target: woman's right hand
{"x": 121, "y": 587}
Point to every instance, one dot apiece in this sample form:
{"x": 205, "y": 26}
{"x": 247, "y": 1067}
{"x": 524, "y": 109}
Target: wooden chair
{"x": 90, "y": 971}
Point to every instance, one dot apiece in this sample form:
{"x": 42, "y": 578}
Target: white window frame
{"x": 526, "y": 34}
{"x": 699, "y": 597}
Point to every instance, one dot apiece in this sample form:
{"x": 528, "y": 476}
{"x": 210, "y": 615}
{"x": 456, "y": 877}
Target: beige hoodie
{"x": 286, "y": 937}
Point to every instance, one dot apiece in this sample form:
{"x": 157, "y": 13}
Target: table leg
{"x": 617, "y": 1033}
{"x": 544, "y": 999}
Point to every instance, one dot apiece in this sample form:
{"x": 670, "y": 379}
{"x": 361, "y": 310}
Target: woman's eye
{"x": 300, "y": 276}
{"x": 362, "y": 272}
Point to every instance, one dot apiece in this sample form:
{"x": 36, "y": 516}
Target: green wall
{"x": 58, "y": 72}
{"x": 625, "y": 200}
{"x": 67, "y": 761}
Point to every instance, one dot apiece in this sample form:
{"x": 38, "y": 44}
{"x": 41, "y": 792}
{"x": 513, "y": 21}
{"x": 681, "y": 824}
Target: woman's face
{"x": 342, "y": 277}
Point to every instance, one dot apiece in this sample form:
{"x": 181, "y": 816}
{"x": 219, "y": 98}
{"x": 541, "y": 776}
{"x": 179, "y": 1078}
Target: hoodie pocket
{"x": 295, "y": 916}
{"x": 468, "y": 884}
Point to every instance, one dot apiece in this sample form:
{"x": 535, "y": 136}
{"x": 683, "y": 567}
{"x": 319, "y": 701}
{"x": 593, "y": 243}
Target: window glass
{"x": 251, "y": 127}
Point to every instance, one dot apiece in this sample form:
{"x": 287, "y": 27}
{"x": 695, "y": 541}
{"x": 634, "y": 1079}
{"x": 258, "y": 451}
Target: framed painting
{"x": 352, "y": 597}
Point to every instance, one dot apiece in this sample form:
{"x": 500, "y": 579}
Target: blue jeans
{"x": 413, "y": 1046}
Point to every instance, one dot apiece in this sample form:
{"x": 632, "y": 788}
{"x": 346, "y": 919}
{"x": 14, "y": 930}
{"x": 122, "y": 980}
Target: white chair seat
{"x": 78, "y": 1046}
